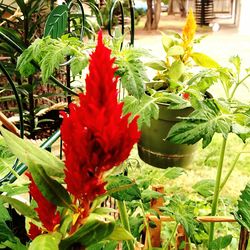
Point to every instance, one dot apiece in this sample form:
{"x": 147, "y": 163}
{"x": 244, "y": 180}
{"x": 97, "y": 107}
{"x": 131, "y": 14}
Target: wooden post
{"x": 180, "y": 237}
{"x": 244, "y": 237}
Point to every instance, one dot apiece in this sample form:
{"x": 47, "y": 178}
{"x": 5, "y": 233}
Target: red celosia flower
{"x": 34, "y": 231}
{"x": 45, "y": 209}
{"x": 96, "y": 136}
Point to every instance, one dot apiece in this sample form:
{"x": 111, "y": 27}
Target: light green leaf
{"x": 95, "y": 229}
{"x": 129, "y": 194}
{"x": 146, "y": 109}
{"x": 205, "y": 187}
{"x": 19, "y": 206}
{"x": 157, "y": 65}
{"x": 236, "y": 61}
{"x": 221, "y": 242}
{"x": 50, "y": 188}
{"x": 175, "y": 50}
{"x": 204, "y": 60}
{"x": 120, "y": 233}
{"x": 23, "y": 148}
{"x": 148, "y": 195}
{"x": 176, "y": 70}
{"x": 4, "y": 215}
{"x": 46, "y": 242}
{"x": 166, "y": 42}
{"x": 173, "y": 173}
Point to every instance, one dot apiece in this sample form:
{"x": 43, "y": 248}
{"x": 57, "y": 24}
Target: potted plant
{"x": 171, "y": 94}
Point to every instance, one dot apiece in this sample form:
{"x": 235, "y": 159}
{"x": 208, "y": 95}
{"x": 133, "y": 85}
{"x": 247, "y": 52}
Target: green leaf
{"x": 243, "y": 213}
{"x": 205, "y": 187}
{"x": 157, "y": 65}
{"x": 221, "y": 242}
{"x": 236, "y": 61}
{"x": 50, "y": 188}
{"x": 204, "y": 60}
{"x": 78, "y": 64}
{"x": 148, "y": 195}
{"x": 19, "y": 206}
{"x": 203, "y": 123}
{"x": 129, "y": 194}
{"x": 23, "y": 148}
{"x": 95, "y": 229}
{"x": 4, "y": 215}
{"x": 57, "y": 21}
{"x": 176, "y": 70}
{"x": 5, "y": 232}
{"x": 120, "y": 233}
{"x": 173, "y": 173}
{"x": 146, "y": 109}
{"x": 166, "y": 42}
{"x": 46, "y": 242}
{"x": 175, "y": 50}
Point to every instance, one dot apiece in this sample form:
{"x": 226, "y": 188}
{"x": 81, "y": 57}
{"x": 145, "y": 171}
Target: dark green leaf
{"x": 19, "y": 206}
{"x": 56, "y": 23}
{"x": 22, "y": 148}
{"x": 203, "y": 123}
{"x": 95, "y": 229}
{"x": 205, "y": 187}
{"x": 50, "y": 188}
{"x": 243, "y": 213}
{"x": 148, "y": 195}
{"x": 221, "y": 242}
{"x": 129, "y": 194}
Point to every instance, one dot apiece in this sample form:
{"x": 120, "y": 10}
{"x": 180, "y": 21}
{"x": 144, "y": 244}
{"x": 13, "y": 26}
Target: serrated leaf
{"x": 19, "y": 206}
{"x": 22, "y": 148}
{"x": 175, "y": 50}
{"x": 221, "y": 242}
{"x": 176, "y": 70}
{"x": 45, "y": 242}
{"x": 146, "y": 109}
{"x": 205, "y": 187}
{"x": 204, "y": 60}
{"x": 243, "y": 213}
{"x": 56, "y": 23}
{"x": 157, "y": 65}
{"x": 173, "y": 173}
{"x": 129, "y": 194}
{"x": 50, "y": 188}
{"x": 95, "y": 229}
{"x": 203, "y": 123}
{"x": 78, "y": 64}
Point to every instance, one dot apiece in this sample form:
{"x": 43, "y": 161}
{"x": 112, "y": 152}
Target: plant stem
{"x": 217, "y": 190}
{"x": 232, "y": 167}
{"x": 125, "y": 222}
{"x": 172, "y": 234}
{"x": 146, "y": 225}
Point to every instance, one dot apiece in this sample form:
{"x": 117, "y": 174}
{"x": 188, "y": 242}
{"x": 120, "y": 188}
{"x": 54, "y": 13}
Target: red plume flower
{"x": 45, "y": 209}
{"x": 34, "y": 231}
{"x": 96, "y": 136}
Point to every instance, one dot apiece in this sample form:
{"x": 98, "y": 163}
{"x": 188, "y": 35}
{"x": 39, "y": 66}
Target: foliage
{"x": 243, "y": 214}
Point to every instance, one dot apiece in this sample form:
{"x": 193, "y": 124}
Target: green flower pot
{"x": 158, "y": 152}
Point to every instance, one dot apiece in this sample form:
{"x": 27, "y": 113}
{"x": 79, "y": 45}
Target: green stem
{"x": 217, "y": 191}
{"x": 237, "y": 85}
{"x": 125, "y": 222}
{"x": 172, "y": 235}
{"x": 146, "y": 225}
{"x": 223, "y": 183}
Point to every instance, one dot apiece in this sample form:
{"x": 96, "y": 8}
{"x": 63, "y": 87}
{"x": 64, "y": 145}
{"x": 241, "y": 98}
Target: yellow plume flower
{"x": 189, "y": 29}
